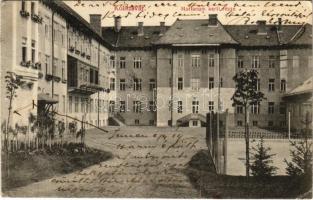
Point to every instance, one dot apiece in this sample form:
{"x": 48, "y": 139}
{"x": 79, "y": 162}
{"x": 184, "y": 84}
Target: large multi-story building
{"x": 146, "y": 75}
{"x": 185, "y": 71}
{"x": 60, "y": 60}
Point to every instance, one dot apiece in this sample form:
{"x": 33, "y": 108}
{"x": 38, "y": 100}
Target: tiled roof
{"x": 247, "y": 35}
{"x": 304, "y": 87}
{"x": 127, "y": 37}
{"x": 303, "y": 36}
{"x": 196, "y": 32}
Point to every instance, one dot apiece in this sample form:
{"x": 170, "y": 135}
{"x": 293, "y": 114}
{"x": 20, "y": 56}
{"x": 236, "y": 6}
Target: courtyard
{"x": 151, "y": 162}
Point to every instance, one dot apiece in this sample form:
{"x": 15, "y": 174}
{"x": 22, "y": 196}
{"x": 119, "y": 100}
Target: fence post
{"x": 289, "y": 125}
{"x": 225, "y": 141}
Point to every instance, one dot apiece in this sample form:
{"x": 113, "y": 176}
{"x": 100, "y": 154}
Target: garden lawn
{"x": 28, "y": 167}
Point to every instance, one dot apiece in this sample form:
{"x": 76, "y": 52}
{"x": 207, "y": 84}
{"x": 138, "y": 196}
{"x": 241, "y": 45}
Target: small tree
{"x": 12, "y": 84}
{"x": 246, "y": 94}
{"x": 261, "y": 166}
{"x": 301, "y": 153}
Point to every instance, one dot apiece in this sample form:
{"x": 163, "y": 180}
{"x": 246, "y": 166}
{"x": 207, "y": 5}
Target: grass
{"x": 201, "y": 174}
{"x": 29, "y": 167}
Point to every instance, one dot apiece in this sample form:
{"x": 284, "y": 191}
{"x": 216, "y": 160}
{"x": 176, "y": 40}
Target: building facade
{"x": 146, "y": 75}
{"x": 195, "y": 62}
{"x": 57, "y": 57}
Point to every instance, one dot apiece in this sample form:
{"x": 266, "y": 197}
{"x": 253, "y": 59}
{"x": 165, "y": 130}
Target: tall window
{"x": 195, "y": 61}
{"x": 122, "y": 84}
{"x": 151, "y": 84}
{"x": 70, "y": 101}
{"x": 283, "y": 85}
{"x": 96, "y": 77}
{"x": 137, "y": 84}
{"x": 32, "y": 8}
{"x": 211, "y": 105}
{"x": 47, "y": 29}
{"x": 111, "y": 106}
{"x": 122, "y": 106}
{"x": 195, "y": 106}
{"x": 23, "y": 5}
{"x": 55, "y": 67}
{"x": 122, "y": 62}
{"x": 137, "y": 62}
{"x": 211, "y": 60}
{"x": 271, "y": 107}
{"x": 258, "y": 84}
{"x": 195, "y": 84}
{"x": 63, "y": 70}
{"x": 255, "y": 62}
{"x": 180, "y": 59}
{"x": 255, "y": 108}
{"x": 271, "y": 61}
{"x": 47, "y": 64}
{"x": 239, "y": 109}
{"x": 240, "y": 62}
{"x": 82, "y": 106}
{"x": 282, "y": 108}
{"x": 211, "y": 82}
{"x": 112, "y": 61}
{"x": 179, "y": 107}
{"x": 180, "y": 84}
{"x": 76, "y": 104}
{"x": 137, "y": 106}
{"x": 91, "y": 105}
{"x": 271, "y": 85}
{"x": 33, "y": 51}
{"x": 151, "y": 106}
{"x": 24, "y": 49}
{"x": 112, "y": 84}
{"x": 221, "y": 82}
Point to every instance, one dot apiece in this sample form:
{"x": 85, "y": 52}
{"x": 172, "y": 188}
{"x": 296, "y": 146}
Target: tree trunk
{"x": 247, "y": 141}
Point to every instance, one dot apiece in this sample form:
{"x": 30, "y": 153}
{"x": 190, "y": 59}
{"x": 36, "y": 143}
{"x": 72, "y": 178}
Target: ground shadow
{"x": 201, "y": 174}
{"x": 28, "y": 167}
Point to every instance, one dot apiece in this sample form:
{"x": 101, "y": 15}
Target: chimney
{"x": 95, "y": 22}
{"x": 140, "y": 29}
{"x": 162, "y": 28}
{"x": 117, "y": 23}
{"x": 261, "y": 24}
{"x": 212, "y": 19}
{"x": 279, "y": 24}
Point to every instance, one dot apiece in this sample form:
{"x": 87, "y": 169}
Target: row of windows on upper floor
{"x": 59, "y": 65}
{"x": 86, "y": 105}
{"x": 77, "y": 41}
{"x": 140, "y": 106}
{"x": 136, "y": 84}
{"x": 241, "y": 61}
{"x": 33, "y": 11}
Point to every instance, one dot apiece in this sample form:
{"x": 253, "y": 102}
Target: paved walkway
{"x": 148, "y": 162}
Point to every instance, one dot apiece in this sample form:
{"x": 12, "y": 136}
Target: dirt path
{"x": 148, "y": 162}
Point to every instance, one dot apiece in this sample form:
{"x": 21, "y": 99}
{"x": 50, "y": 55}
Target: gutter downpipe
{"x": 172, "y": 88}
